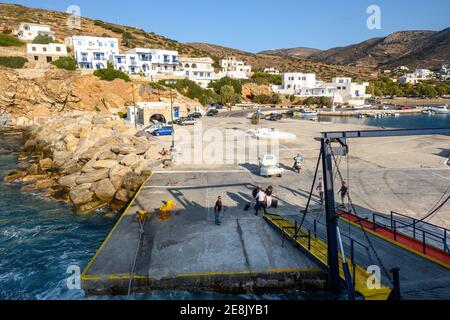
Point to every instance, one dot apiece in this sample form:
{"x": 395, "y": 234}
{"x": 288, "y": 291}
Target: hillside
{"x": 299, "y": 52}
{"x": 260, "y": 61}
{"x": 428, "y": 49}
{"x": 12, "y": 15}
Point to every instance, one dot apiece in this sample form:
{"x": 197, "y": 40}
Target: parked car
{"x": 212, "y": 113}
{"x": 164, "y": 131}
{"x": 188, "y": 121}
{"x": 153, "y": 127}
{"x": 274, "y": 117}
{"x": 405, "y": 108}
{"x": 196, "y": 115}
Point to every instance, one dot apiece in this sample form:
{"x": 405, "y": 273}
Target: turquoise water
{"x": 40, "y": 239}
{"x": 402, "y": 122}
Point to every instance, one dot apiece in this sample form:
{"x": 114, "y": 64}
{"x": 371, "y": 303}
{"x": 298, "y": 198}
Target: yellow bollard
{"x": 166, "y": 209}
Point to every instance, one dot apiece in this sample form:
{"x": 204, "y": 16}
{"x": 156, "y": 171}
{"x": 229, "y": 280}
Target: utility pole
{"x": 134, "y": 105}
{"x": 173, "y": 127}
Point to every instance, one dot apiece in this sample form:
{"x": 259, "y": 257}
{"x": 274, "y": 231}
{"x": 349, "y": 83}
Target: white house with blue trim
{"x": 93, "y": 52}
{"x": 149, "y": 62}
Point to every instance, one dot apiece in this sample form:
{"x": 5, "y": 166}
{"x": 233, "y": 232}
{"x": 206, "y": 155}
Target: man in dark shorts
{"x": 343, "y": 192}
{"x": 218, "y": 209}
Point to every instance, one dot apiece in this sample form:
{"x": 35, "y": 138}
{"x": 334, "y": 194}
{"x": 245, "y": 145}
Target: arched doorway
{"x": 157, "y": 118}
{"x": 145, "y": 68}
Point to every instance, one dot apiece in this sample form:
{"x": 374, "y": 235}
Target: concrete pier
{"x": 190, "y": 252}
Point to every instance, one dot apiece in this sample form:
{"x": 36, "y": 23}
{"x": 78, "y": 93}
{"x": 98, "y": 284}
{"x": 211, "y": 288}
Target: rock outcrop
{"x": 87, "y": 159}
{"x": 30, "y": 99}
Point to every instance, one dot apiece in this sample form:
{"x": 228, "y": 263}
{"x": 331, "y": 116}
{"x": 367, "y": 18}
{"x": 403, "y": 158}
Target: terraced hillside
{"x": 130, "y": 37}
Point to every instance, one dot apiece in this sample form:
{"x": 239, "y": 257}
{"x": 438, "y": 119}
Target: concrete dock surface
{"x": 189, "y": 252}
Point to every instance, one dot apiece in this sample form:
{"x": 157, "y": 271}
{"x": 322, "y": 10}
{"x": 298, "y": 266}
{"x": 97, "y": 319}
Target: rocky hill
{"x": 286, "y": 63}
{"x": 412, "y": 48}
{"x": 12, "y": 15}
{"x": 27, "y": 96}
{"x": 299, "y": 52}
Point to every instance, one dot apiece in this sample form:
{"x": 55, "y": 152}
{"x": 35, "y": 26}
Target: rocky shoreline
{"x": 86, "y": 159}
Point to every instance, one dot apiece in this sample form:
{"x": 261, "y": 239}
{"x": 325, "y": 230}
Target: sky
{"x": 256, "y": 25}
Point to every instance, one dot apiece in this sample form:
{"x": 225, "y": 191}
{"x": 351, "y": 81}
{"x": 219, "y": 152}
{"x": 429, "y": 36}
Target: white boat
{"x": 269, "y": 134}
{"x": 441, "y": 109}
{"x": 308, "y": 113}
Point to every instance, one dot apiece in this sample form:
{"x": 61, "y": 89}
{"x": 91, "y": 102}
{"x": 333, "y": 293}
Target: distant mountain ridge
{"x": 300, "y": 52}
{"x": 421, "y": 48}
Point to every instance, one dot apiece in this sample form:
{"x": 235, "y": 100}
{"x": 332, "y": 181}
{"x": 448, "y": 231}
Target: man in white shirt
{"x": 260, "y": 201}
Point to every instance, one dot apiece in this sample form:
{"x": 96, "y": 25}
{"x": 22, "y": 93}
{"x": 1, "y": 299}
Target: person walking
{"x": 344, "y": 192}
{"x": 269, "y": 194}
{"x": 321, "y": 190}
{"x": 260, "y": 202}
{"x": 218, "y": 210}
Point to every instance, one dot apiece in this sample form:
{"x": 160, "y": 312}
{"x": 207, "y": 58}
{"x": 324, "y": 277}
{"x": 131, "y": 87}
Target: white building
{"x": 417, "y": 76}
{"x": 346, "y": 91}
{"x": 199, "y": 70}
{"x": 271, "y": 71}
{"x": 293, "y": 83}
{"x": 149, "y": 62}
{"x": 233, "y": 68}
{"x": 341, "y": 89}
{"x": 46, "y": 52}
{"x": 29, "y": 31}
{"x": 93, "y": 52}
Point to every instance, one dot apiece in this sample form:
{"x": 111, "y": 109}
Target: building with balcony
{"x": 417, "y": 76}
{"x": 46, "y": 52}
{"x": 93, "y": 52}
{"x": 233, "y": 68}
{"x": 29, "y": 31}
{"x": 199, "y": 70}
{"x": 340, "y": 89}
{"x": 149, "y": 62}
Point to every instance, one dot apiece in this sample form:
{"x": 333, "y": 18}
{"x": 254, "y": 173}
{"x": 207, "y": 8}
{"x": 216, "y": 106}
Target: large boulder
{"x": 104, "y": 164}
{"x": 132, "y": 181}
{"x": 93, "y": 176}
{"x": 124, "y": 195}
{"x": 81, "y": 194}
{"x": 104, "y": 190}
{"x": 131, "y": 160}
{"x": 69, "y": 181}
{"x": 45, "y": 164}
{"x": 107, "y": 155}
{"x": 123, "y": 149}
{"x": 88, "y": 155}
{"x": 119, "y": 170}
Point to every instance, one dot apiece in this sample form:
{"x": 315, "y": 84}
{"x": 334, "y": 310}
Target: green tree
{"x": 43, "y": 40}
{"x": 13, "y": 62}
{"x": 67, "y": 63}
{"x": 228, "y": 95}
{"x": 226, "y": 81}
{"x": 275, "y": 99}
{"x": 7, "y": 40}
{"x": 110, "y": 74}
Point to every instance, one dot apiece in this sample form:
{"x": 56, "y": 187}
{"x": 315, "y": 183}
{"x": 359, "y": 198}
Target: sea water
{"x": 42, "y": 242}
